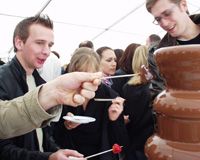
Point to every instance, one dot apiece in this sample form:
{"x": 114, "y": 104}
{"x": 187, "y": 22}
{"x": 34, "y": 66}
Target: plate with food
{"x": 79, "y": 119}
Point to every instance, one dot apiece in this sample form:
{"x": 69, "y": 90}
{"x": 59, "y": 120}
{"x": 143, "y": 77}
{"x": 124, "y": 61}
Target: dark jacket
{"x": 96, "y": 136}
{"x": 157, "y": 82}
{"x": 119, "y": 82}
{"x": 13, "y": 84}
{"x": 141, "y": 125}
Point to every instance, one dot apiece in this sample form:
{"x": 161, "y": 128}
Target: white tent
{"x": 113, "y": 23}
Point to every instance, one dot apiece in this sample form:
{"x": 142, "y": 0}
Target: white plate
{"x": 80, "y": 119}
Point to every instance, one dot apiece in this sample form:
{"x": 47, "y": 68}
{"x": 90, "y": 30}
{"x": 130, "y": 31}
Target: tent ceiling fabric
{"x": 113, "y": 23}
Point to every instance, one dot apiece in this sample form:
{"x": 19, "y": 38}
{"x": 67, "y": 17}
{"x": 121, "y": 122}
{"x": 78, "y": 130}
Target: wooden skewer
{"x": 100, "y": 153}
{"x": 101, "y": 99}
{"x": 126, "y": 75}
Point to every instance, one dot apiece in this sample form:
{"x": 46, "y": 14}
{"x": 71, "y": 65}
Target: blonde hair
{"x": 139, "y": 59}
{"x": 84, "y": 60}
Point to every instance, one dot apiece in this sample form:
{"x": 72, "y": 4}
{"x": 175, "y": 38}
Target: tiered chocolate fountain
{"x": 178, "y": 106}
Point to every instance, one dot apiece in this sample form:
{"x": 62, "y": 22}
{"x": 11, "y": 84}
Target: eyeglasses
{"x": 166, "y": 15}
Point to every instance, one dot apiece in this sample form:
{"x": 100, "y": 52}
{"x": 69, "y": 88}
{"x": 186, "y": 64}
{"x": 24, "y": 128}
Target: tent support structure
{"x": 112, "y": 25}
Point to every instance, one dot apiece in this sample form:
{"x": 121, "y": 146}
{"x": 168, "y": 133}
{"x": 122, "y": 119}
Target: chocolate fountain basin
{"x": 178, "y": 106}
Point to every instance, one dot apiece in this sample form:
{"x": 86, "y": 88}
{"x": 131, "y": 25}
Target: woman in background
{"x": 108, "y": 63}
{"x": 125, "y": 67}
{"x": 118, "y": 53}
{"x": 137, "y": 95}
{"x": 108, "y": 128}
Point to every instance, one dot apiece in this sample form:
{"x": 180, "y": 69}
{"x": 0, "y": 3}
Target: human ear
{"x": 183, "y": 6}
{"x": 18, "y": 43}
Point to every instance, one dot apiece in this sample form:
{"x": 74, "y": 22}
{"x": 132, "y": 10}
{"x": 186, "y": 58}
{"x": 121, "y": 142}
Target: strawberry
{"x": 116, "y": 148}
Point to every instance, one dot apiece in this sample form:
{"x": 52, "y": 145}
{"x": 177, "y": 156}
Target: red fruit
{"x": 116, "y": 148}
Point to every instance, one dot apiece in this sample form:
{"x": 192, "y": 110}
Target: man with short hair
{"x": 86, "y": 43}
{"x": 32, "y": 40}
{"x": 174, "y": 18}
{"x": 182, "y": 29}
{"x": 152, "y": 39}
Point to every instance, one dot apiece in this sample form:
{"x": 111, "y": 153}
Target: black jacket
{"x": 13, "y": 84}
{"x": 118, "y": 83}
{"x": 141, "y": 125}
{"x": 84, "y": 137}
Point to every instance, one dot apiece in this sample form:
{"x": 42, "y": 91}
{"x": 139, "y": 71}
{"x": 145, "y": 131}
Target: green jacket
{"x": 25, "y": 115}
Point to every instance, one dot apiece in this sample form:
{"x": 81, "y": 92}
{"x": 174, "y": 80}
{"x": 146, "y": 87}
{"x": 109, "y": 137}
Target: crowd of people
{"x": 36, "y": 91}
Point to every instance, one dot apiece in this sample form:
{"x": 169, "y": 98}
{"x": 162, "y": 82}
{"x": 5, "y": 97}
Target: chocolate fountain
{"x": 178, "y": 106}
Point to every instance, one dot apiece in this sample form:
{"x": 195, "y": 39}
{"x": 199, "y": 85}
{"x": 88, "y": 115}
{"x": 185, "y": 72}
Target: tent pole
{"x": 112, "y": 25}
{"x": 42, "y": 9}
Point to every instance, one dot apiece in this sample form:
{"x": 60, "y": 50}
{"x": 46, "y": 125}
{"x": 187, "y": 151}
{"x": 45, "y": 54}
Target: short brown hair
{"x": 86, "y": 43}
{"x": 151, "y": 3}
{"x": 154, "y": 38}
{"x": 22, "y": 28}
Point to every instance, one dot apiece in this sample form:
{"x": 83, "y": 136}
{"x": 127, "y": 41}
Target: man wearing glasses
{"x": 181, "y": 28}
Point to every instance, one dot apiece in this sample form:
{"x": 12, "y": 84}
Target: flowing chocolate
{"x": 145, "y": 74}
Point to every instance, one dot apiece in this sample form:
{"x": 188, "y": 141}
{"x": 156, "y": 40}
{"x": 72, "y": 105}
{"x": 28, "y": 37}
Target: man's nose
{"x": 46, "y": 49}
{"x": 164, "y": 22}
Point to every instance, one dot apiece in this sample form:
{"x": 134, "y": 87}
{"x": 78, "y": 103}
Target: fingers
{"x": 72, "y": 89}
{"x": 66, "y": 123}
{"x": 116, "y": 108}
{"x": 70, "y": 114}
{"x": 117, "y": 104}
{"x": 126, "y": 119}
{"x": 65, "y": 154}
{"x": 95, "y": 77}
{"x": 73, "y": 153}
{"x": 118, "y": 100}
{"x": 88, "y": 89}
{"x": 97, "y": 82}
{"x": 70, "y": 125}
{"x": 78, "y": 100}
{"x": 87, "y": 94}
